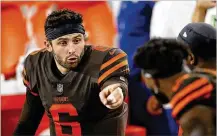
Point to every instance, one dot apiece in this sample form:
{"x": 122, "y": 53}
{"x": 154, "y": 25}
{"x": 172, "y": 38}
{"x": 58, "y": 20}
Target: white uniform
{"x": 169, "y": 17}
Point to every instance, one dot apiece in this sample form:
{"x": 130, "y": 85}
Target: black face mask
{"x": 161, "y": 97}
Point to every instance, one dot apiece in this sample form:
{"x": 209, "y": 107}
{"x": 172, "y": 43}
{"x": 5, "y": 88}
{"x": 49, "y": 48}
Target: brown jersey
{"x": 72, "y": 101}
{"x": 196, "y": 88}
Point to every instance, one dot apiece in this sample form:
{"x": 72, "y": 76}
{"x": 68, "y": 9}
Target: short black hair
{"x": 161, "y": 57}
{"x": 61, "y": 17}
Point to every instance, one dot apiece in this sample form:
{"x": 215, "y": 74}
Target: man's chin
{"x": 73, "y": 65}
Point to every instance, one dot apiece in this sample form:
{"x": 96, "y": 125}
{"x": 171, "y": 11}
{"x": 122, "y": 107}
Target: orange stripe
{"x": 110, "y": 71}
{"x": 180, "y": 132}
{"x": 206, "y": 89}
{"x": 35, "y": 94}
{"x": 179, "y": 81}
{"x": 112, "y": 60}
{"x": 188, "y": 89}
{"x": 26, "y": 82}
{"x": 28, "y": 86}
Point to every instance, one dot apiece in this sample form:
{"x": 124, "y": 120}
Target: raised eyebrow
{"x": 78, "y": 36}
{"x": 62, "y": 39}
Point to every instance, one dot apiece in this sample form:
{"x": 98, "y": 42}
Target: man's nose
{"x": 71, "y": 48}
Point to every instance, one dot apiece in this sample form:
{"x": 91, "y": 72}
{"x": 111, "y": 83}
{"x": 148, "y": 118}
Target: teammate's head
{"x": 160, "y": 59}
{"x": 201, "y": 38}
{"x": 65, "y": 37}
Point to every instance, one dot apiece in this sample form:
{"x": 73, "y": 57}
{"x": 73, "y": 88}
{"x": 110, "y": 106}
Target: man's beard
{"x": 64, "y": 63}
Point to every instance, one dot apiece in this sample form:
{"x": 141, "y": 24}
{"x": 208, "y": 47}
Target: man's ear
{"x": 48, "y": 45}
{"x": 86, "y": 36}
{"x": 191, "y": 59}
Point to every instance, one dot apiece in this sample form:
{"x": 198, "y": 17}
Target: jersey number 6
{"x": 65, "y": 120}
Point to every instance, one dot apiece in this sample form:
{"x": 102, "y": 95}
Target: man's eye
{"x": 62, "y": 42}
{"x": 77, "y": 41}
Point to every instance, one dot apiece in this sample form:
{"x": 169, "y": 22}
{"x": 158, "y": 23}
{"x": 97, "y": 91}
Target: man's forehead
{"x": 70, "y": 36}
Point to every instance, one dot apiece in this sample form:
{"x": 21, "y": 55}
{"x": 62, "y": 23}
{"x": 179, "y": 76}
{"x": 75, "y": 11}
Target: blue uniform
{"x": 139, "y": 96}
{"x": 173, "y": 126}
{"x": 134, "y": 26}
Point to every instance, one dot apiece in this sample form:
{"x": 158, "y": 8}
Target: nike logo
{"x": 185, "y": 34}
{"x": 112, "y": 52}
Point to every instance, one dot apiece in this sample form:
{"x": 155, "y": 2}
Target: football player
{"x": 80, "y": 87}
{"x": 191, "y": 95}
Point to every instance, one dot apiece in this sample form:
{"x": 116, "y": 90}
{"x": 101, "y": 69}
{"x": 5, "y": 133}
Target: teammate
{"x": 81, "y": 87}
{"x": 190, "y": 95}
{"x": 145, "y": 110}
{"x": 201, "y": 38}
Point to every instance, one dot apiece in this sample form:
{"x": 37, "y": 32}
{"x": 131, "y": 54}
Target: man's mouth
{"x": 72, "y": 59}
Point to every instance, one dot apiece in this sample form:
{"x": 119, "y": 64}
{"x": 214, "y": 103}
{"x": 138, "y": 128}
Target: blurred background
{"x": 126, "y": 24}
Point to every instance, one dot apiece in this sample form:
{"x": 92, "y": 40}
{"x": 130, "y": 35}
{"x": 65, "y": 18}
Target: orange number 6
{"x": 64, "y": 115}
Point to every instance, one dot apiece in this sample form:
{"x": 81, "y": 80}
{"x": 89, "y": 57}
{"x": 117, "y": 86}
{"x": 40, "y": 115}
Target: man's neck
{"x": 61, "y": 68}
{"x": 167, "y": 84}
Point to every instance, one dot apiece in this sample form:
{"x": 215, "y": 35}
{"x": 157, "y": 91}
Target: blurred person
{"x": 191, "y": 95}
{"x": 81, "y": 87}
{"x": 169, "y": 17}
{"x": 17, "y": 34}
{"x": 201, "y": 38}
{"x": 133, "y": 22}
{"x": 205, "y": 11}
{"x": 210, "y": 17}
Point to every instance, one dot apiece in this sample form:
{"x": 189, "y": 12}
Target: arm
{"x": 31, "y": 115}
{"x": 113, "y": 78}
{"x": 200, "y": 10}
{"x": 198, "y": 15}
{"x": 122, "y": 81}
{"x": 198, "y": 121}
{"x": 33, "y": 109}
